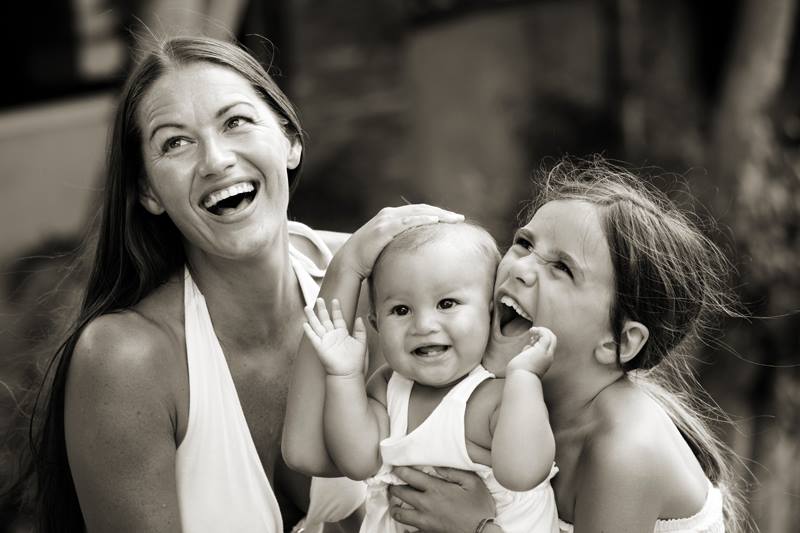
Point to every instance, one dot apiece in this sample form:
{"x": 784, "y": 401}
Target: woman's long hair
{"x": 135, "y": 253}
{"x": 670, "y": 277}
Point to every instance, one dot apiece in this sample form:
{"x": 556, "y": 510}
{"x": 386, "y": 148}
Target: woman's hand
{"x": 537, "y": 356}
{"x": 455, "y": 504}
{"x": 362, "y": 249}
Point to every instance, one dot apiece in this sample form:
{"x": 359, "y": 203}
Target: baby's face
{"x": 433, "y": 308}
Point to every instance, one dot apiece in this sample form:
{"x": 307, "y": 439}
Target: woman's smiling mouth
{"x": 231, "y": 199}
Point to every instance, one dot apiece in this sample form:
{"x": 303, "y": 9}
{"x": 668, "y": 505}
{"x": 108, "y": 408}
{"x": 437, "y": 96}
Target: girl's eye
{"x": 559, "y": 265}
{"x": 447, "y": 303}
{"x": 173, "y": 143}
{"x": 525, "y": 243}
{"x": 400, "y": 310}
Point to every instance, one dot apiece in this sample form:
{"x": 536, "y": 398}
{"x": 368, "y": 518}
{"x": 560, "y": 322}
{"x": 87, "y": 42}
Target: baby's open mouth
{"x": 230, "y": 199}
{"x": 513, "y": 319}
{"x": 430, "y": 350}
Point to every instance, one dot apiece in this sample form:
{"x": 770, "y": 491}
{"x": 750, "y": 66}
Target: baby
{"x": 433, "y": 403}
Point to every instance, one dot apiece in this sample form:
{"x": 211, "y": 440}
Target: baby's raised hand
{"x": 340, "y": 353}
{"x": 537, "y": 356}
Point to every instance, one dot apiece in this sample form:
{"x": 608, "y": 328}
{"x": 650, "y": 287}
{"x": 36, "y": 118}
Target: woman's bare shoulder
{"x": 139, "y": 344}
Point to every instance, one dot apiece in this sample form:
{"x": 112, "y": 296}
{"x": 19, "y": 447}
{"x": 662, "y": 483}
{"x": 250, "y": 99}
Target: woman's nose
{"x": 217, "y": 157}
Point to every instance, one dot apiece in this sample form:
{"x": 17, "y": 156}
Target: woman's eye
{"x": 447, "y": 303}
{"x": 173, "y": 143}
{"x": 235, "y": 122}
{"x": 400, "y": 310}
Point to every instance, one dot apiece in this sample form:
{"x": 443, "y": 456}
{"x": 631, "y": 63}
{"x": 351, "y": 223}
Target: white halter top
{"x": 221, "y": 483}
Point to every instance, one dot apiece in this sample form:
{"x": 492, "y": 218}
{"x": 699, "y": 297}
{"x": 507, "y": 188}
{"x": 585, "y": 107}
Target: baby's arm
{"x": 523, "y": 446}
{"x": 353, "y": 423}
{"x": 303, "y": 443}
{"x": 303, "y": 446}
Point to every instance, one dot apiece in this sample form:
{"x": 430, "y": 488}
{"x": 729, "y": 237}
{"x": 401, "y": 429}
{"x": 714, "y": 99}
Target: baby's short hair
{"x": 468, "y": 233}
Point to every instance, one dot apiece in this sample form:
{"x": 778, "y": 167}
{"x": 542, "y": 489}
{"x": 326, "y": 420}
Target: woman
{"x": 624, "y": 280}
{"x": 168, "y": 396}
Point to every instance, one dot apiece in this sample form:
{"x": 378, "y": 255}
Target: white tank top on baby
{"x": 440, "y": 441}
{"x": 221, "y": 483}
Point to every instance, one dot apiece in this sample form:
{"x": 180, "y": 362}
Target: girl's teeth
{"x": 507, "y": 300}
{"x": 217, "y": 196}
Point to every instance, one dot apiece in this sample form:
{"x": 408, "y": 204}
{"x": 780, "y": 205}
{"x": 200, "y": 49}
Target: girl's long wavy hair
{"x": 135, "y": 252}
{"x": 670, "y": 277}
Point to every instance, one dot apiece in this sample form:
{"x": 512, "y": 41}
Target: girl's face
{"x": 216, "y": 159}
{"x": 557, "y": 274}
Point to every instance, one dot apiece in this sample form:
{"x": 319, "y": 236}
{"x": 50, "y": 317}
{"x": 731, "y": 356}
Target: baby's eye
{"x": 400, "y": 310}
{"x": 447, "y": 303}
{"x": 173, "y": 143}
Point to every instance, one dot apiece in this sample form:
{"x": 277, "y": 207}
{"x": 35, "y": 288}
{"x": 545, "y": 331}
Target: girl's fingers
{"x": 409, "y": 517}
{"x": 424, "y": 209}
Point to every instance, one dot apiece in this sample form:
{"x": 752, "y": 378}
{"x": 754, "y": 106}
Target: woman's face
{"x": 557, "y": 274}
{"x": 216, "y": 160}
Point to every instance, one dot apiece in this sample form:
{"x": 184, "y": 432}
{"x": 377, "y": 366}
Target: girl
{"x": 625, "y": 282}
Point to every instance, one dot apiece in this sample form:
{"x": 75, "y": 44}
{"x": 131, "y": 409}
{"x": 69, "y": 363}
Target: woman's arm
{"x": 120, "y": 426}
{"x": 303, "y": 443}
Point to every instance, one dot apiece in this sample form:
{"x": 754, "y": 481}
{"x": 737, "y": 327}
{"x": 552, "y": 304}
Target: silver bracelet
{"x": 482, "y": 524}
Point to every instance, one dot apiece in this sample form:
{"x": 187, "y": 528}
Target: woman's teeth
{"x": 216, "y": 201}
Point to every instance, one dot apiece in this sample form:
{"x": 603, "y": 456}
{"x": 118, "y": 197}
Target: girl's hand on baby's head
{"x": 362, "y": 249}
{"x": 340, "y": 353}
{"x": 537, "y": 356}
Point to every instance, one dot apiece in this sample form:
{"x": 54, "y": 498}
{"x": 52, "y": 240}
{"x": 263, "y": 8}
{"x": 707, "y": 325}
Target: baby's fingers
{"x": 360, "y": 331}
{"x": 336, "y": 315}
{"x": 312, "y": 336}
{"x": 324, "y": 317}
{"x": 313, "y": 322}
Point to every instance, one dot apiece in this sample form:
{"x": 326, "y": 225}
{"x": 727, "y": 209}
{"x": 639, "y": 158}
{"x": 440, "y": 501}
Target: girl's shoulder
{"x": 635, "y": 450}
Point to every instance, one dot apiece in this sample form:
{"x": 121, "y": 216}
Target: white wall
{"x": 51, "y": 159}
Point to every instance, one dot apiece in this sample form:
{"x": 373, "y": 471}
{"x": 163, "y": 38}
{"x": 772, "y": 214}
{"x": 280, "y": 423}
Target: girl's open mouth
{"x": 513, "y": 319}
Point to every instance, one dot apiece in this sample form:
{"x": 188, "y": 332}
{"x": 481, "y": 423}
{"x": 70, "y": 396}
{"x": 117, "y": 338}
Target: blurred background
{"x": 455, "y": 103}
